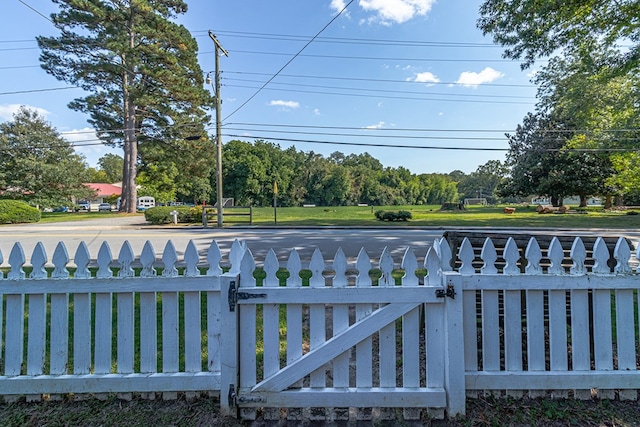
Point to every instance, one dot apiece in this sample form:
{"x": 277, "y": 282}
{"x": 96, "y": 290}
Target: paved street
{"x": 259, "y": 240}
{"x": 135, "y": 230}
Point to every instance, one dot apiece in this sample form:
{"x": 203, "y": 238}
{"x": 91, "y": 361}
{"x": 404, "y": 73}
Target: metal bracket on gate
{"x": 235, "y": 296}
{"x": 450, "y": 292}
{"x": 232, "y": 396}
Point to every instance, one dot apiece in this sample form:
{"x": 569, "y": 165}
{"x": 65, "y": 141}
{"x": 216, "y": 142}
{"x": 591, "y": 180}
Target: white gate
{"x": 346, "y": 342}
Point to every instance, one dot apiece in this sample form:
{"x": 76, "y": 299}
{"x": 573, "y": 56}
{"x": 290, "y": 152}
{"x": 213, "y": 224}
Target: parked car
{"x": 84, "y": 207}
{"x": 104, "y": 207}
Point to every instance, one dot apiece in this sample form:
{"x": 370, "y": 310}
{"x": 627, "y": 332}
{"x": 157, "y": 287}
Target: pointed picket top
{"x": 60, "y": 260}
{"x": 511, "y": 257}
{"x": 169, "y": 259}
{"x": 555, "y": 253}
{"x": 600, "y": 257}
{"x": 214, "y": 256}
{"x": 410, "y": 265}
{"x": 489, "y": 256}
{"x": 433, "y": 264}
{"x": 293, "y": 267}
{"x": 271, "y": 267}
{"x": 466, "y": 255}
{"x": 246, "y": 268}
{"x": 148, "y": 259}
{"x": 578, "y": 255}
{"x": 38, "y": 260}
{"x": 622, "y": 254}
{"x": 236, "y": 255}
{"x": 340, "y": 266}
{"x": 317, "y": 267}
{"x": 16, "y": 260}
{"x": 104, "y": 261}
{"x": 125, "y": 259}
{"x": 191, "y": 260}
{"x": 386, "y": 268}
{"x": 363, "y": 265}
{"x": 81, "y": 259}
{"x": 533, "y": 255}
{"x": 444, "y": 253}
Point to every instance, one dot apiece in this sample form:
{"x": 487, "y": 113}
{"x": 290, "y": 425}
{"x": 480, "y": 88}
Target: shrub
{"x": 393, "y": 216}
{"x": 16, "y": 211}
{"x": 162, "y": 214}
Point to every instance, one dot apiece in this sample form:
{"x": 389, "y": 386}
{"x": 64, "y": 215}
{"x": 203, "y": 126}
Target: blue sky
{"x": 412, "y": 82}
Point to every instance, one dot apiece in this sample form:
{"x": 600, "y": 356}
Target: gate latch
{"x": 232, "y": 396}
{"x": 235, "y": 296}
{"x": 450, "y": 292}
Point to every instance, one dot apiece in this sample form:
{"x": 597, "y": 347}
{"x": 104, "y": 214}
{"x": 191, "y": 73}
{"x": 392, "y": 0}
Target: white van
{"x": 146, "y": 202}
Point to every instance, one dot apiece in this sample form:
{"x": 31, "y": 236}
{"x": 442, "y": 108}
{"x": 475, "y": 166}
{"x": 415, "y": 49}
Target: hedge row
{"x": 16, "y": 211}
{"x": 393, "y": 216}
{"x": 162, "y": 214}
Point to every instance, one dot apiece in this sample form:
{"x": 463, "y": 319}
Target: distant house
{"x": 103, "y": 190}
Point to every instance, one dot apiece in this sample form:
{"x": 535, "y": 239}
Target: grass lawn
{"x": 432, "y": 216}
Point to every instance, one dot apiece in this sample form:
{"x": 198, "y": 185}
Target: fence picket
{"x": 535, "y": 314}
{"x": 364, "y": 349}
{"x": 36, "y": 332}
{"x": 512, "y": 314}
{"x": 247, "y": 318}
{"x": 434, "y": 324}
{"x": 214, "y": 256}
{"x": 340, "y": 320}
{"x": 148, "y": 314}
{"x": 602, "y": 322}
{"x": 410, "y": 333}
{"x": 317, "y": 328}
{"x": 580, "y": 336}
{"x": 557, "y": 315}
{"x": 490, "y": 312}
{"x": 271, "y": 318}
{"x": 192, "y": 313}
{"x": 125, "y": 315}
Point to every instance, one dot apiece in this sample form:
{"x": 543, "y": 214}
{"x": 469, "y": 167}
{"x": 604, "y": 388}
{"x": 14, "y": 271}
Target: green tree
{"x": 140, "y": 67}
{"x": 532, "y": 29}
{"x": 112, "y": 165}
{"x": 37, "y": 165}
{"x": 484, "y": 181}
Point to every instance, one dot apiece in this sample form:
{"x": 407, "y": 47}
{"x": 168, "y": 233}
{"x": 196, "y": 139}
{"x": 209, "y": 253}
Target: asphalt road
{"x": 116, "y": 230}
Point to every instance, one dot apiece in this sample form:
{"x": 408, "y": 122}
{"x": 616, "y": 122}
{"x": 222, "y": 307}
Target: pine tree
{"x": 141, "y": 70}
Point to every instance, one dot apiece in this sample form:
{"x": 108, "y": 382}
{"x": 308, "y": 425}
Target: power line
{"x": 40, "y": 90}
{"x": 474, "y": 95}
{"x": 386, "y": 96}
{"x": 352, "y": 40}
{"x": 379, "y": 80}
{"x": 289, "y": 61}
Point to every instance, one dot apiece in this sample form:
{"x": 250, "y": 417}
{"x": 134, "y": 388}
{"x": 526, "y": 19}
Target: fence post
{"x": 228, "y": 345}
{"x": 454, "y": 375}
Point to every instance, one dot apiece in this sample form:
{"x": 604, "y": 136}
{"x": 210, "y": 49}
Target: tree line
{"x": 39, "y": 166}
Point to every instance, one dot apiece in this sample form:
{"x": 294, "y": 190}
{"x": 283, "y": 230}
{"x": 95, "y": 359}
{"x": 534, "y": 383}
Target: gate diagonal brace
{"x": 234, "y": 296}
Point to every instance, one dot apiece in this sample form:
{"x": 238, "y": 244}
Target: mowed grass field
{"x": 433, "y": 216}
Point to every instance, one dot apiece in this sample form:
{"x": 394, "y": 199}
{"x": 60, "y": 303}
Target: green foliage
{"x": 37, "y": 165}
{"x": 532, "y": 29}
{"x": 393, "y": 216}
{"x": 162, "y": 214}
{"x": 146, "y": 87}
{"x": 310, "y": 178}
{"x": 16, "y": 212}
{"x": 111, "y": 164}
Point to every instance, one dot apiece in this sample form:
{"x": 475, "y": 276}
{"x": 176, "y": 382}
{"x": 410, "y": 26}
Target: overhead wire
{"x": 289, "y": 61}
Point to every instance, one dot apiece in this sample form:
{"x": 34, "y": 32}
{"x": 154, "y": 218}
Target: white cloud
{"x": 286, "y": 104}
{"x": 338, "y": 5}
{"x": 396, "y": 11}
{"x": 316, "y": 111}
{"x": 378, "y": 125}
{"x": 473, "y": 79}
{"x": 7, "y": 111}
{"x": 425, "y": 77}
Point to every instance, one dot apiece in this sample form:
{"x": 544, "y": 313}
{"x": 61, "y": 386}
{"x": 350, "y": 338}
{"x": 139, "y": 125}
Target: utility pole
{"x": 219, "y": 49}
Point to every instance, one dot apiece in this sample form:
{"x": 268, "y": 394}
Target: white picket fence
{"x": 345, "y": 341}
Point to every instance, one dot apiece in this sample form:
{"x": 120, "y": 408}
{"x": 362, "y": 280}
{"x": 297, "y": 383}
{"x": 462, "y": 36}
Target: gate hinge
{"x": 235, "y": 296}
{"x": 450, "y": 292}
{"x": 232, "y": 397}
